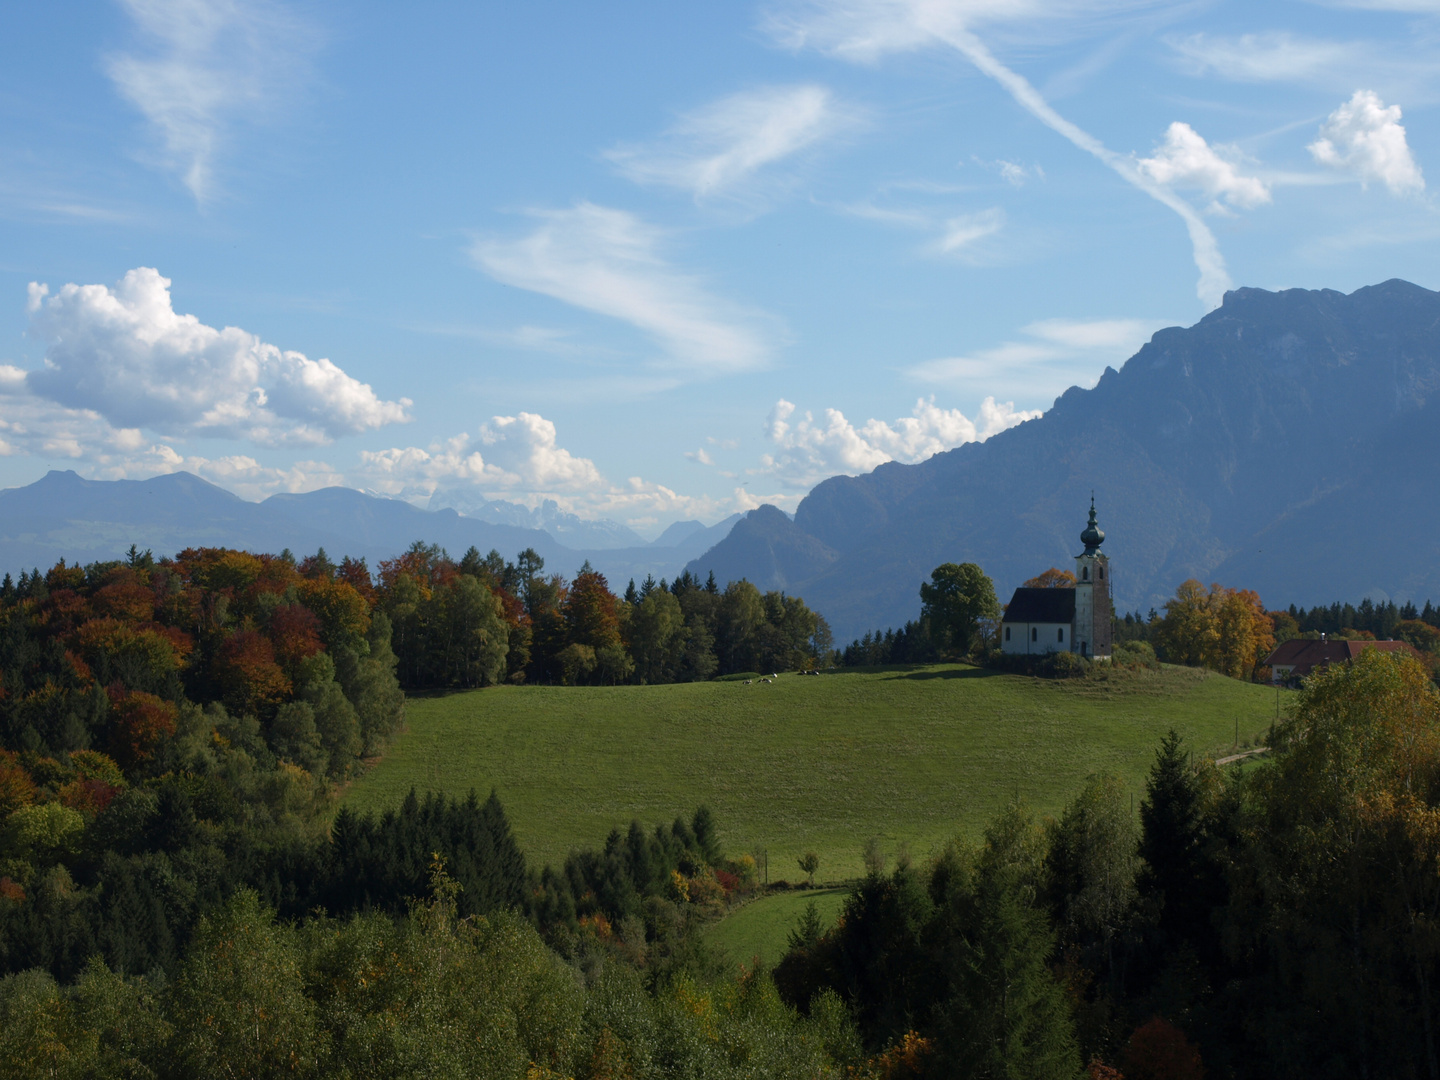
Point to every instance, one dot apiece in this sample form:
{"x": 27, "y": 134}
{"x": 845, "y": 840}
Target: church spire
{"x": 1093, "y": 536}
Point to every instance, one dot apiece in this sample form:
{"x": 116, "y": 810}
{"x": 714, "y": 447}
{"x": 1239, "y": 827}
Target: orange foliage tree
{"x": 1226, "y": 630}
{"x": 16, "y": 787}
{"x": 1054, "y": 578}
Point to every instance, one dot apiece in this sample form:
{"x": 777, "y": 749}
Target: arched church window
{"x": 1034, "y": 633}
{"x": 1100, "y": 572}
{"x": 1007, "y": 633}
{"x": 1062, "y": 634}
{"x": 1085, "y": 574}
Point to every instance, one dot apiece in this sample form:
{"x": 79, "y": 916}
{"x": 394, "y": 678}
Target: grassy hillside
{"x": 802, "y": 764}
{"x": 762, "y": 927}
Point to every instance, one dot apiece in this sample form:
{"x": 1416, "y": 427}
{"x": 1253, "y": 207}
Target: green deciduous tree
{"x": 955, "y": 600}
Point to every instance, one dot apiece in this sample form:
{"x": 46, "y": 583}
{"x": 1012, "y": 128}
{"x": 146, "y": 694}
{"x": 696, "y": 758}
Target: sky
{"x": 659, "y": 261}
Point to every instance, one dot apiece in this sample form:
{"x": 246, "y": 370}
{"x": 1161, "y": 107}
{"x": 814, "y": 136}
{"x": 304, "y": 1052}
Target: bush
{"x": 1135, "y": 654}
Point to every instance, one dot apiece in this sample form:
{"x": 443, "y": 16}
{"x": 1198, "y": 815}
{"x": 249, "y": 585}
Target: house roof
{"x": 1041, "y": 605}
{"x": 1304, "y": 656}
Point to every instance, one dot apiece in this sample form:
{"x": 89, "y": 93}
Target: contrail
{"x": 1214, "y": 280}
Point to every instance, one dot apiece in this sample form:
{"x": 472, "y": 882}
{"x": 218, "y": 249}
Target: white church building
{"x": 1077, "y": 620}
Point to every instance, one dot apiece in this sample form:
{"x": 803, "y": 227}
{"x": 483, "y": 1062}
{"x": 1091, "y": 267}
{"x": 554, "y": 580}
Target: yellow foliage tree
{"x": 1226, "y": 630}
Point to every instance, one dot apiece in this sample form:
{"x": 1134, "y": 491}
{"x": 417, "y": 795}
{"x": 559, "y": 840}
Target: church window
{"x": 1085, "y": 574}
{"x": 1062, "y": 634}
{"x": 1100, "y": 572}
{"x": 1034, "y": 633}
{"x": 1007, "y": 633}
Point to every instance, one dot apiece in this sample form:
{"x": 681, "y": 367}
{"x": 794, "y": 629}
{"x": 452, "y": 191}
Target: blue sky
{"x": 658, "y": 261}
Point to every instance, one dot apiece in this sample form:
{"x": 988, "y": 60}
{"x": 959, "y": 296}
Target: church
{"x": 1074, "y": 620}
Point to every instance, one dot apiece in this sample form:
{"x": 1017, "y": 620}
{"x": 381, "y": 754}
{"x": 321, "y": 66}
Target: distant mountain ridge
{"x": 65, "y": 516}
{"x": 1286, "y": 443}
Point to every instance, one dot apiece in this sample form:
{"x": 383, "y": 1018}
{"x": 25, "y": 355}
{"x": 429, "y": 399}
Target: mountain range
{"x": 1285, "y": 443}
{"x": 65, "y": 516}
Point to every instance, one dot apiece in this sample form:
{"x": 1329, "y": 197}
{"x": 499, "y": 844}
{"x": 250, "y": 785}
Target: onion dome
{"x": 1093, "y": 536}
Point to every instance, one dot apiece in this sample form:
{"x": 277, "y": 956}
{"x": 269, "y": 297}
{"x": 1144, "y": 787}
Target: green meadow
{"x": 909, "y": 756}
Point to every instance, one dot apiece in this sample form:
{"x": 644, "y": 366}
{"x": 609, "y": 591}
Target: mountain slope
{"x": 1283, "y": 443}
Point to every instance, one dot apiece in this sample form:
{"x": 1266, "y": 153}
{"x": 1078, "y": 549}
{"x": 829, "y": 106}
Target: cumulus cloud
{"x": 1365, "y": 137}
{"x": 808, "y": 450}
{"x": 207, "y": 65}
{"x": 512, "y": 454}
{"x": 867, "y": 30}
{"x": 1186, "y": 160}
{"x": 610, "y": 262}
{"x": 34, "y": 427}
{"x": 518, "y": 458}
{"x": 719, "y": 149}
{"x": 126, "y": 355}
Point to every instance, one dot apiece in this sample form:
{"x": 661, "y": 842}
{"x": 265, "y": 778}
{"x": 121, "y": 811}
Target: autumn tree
{"x": 1053, "y": 578}
{"x": 1226, "y": 630}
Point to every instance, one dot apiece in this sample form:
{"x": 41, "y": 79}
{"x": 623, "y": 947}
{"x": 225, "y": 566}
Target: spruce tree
{"x": 1008, "y": 1016}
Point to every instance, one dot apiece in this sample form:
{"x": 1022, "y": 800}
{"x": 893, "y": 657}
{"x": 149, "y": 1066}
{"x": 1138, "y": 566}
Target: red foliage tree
{"x": 590, "y": 611}
{"x": 295, "y": 633}
{"x": 247, "y": 677}
{"x": 1159, "y": 1050}
{"x": 138, "y": 722}
{"x": 125, "y": 597}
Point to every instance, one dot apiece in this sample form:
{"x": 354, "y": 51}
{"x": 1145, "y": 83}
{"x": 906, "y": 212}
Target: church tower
{"x": 1091, "y": 633}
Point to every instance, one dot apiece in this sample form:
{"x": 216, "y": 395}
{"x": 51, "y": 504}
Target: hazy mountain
{"x": 65, "y": 516}
{"x": 570, "y": 529}
{"x": 676, "y": 533}
{"x": 1285, "y": 443}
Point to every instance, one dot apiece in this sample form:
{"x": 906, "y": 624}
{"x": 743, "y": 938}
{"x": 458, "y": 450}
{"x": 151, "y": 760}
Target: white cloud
{"x": 1414, "y": 7}
{"x": 518, "y": 458}
{"x": 510, "y": 454}
{"x": 700, "y": 457}
{"x": 126, "y": 355}
{"x": 962, "y": 233}
{"x": 1055, "y": 354}
{"x": 1365, "y": 138}
{"x": 1186, "y": 160}
{"x": 718, "y": 149}
{"x": 609, "y": 262}
{"x": 523, "y": 447}
{"x": 1270, "y": 57}
{"x": 807, "y": 451}
{"x": 210, "y": 64}
{"x": 866, "y": 30}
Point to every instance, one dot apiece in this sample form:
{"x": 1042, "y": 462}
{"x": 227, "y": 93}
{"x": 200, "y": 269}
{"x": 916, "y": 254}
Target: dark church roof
{"x": 1041, "y": 605}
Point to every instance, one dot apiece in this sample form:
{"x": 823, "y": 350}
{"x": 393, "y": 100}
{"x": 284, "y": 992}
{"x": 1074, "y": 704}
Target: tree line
{"x": 484, "y": 620}
{"x": 1217, "y": 627}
